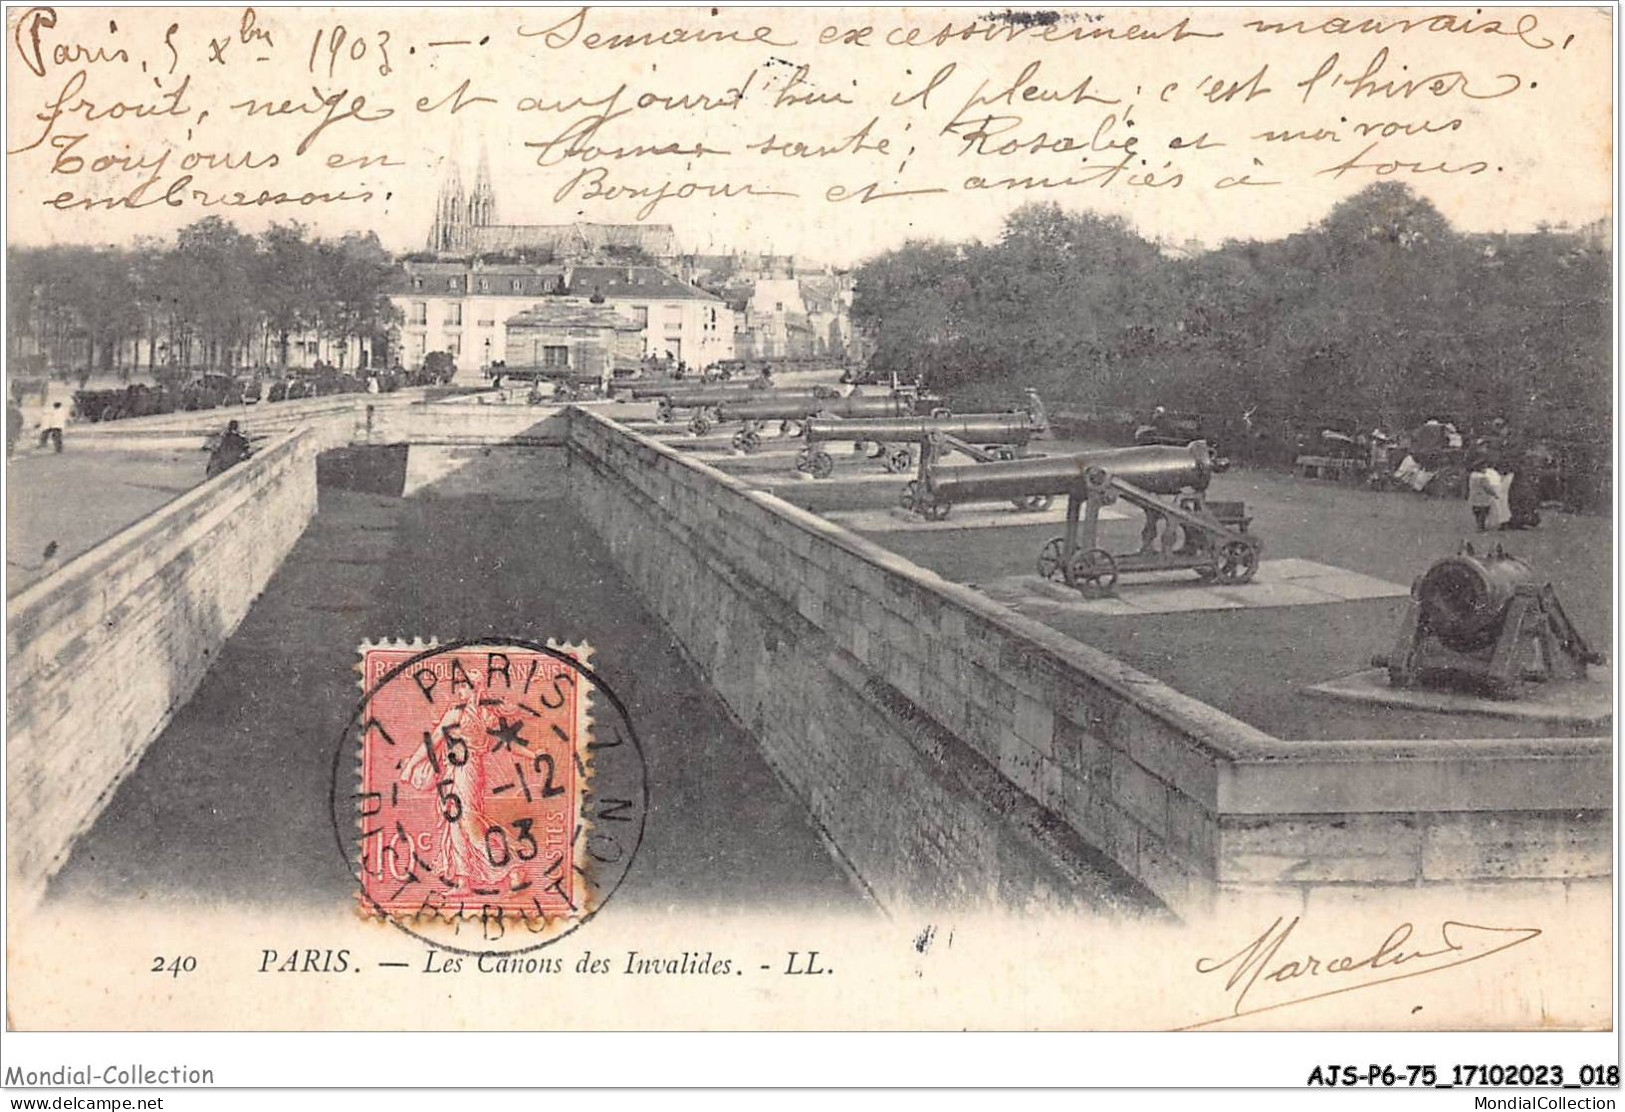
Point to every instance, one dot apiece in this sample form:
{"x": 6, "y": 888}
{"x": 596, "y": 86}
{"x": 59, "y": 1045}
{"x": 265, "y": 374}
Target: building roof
{"x": 658, "y": 241}
{"x": 635, "y": 282}
{"x": 572, "y": 313}
{"x": 472, "y": 277}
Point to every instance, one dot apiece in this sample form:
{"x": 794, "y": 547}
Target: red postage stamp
{"x": 474, "y": 768}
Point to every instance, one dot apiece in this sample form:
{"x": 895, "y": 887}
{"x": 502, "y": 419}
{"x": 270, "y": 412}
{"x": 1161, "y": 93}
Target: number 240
{"x": 174, "y": 966}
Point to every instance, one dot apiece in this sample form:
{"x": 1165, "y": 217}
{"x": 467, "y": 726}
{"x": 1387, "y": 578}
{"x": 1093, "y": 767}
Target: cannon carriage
{"x": 1183, "y": 528}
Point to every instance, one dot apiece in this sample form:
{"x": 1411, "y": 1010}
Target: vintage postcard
{"x": 790, "y": 519}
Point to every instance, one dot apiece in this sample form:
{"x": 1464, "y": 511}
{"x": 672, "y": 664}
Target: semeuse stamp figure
{"x": 474, "y": 770}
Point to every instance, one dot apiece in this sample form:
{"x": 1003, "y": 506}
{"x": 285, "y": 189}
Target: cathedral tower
{"x": 449, "y": 232}
{"x": 482, "y": 203}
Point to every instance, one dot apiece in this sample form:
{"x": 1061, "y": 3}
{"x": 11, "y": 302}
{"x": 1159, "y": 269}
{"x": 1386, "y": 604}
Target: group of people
{"x": 228, "y": 449}
{"x": 1502, "y": 501}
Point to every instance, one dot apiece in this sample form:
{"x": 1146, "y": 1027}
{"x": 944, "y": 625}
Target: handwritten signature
{"x": 1396, "y": 957}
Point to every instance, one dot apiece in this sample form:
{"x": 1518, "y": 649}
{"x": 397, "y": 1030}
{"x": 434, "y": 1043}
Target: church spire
{"x": 449, "y": 232}
{"x": 482, "y": 203}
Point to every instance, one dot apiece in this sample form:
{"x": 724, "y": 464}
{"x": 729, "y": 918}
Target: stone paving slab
{"x": 1298, "y": 583}
{"x": 1586, "y": 703}
{"x": 233, "y": 800}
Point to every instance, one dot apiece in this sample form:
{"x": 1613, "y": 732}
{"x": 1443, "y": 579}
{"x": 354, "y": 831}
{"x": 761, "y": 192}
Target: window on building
{"x": 454, "y": 314}
{"x": 485, "y": 284}
{"x": 517, "y": 285}
{"x": 555, "y": 355}
{"x": 420, "y": 312}
{"x": 454, "y": 346}
{"x": 417, "y": 283}
{"x": 451, "y": 283}
{"x": 487, "y": 323}
{"x": 640, "y": 315}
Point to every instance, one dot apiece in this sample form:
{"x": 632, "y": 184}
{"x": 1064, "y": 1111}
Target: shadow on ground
{"x": 232, "y": 802}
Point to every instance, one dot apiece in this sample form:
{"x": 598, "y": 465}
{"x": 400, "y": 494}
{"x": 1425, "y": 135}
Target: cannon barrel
{"x": 708, "y": 394}
{"x": 765, "y": 406}
{"x": 979, "y": 428}
{"x": 1157, "y": 469}
{"x": 1464, "y": 597}
{"x": 855, "y": 406}
{"x": 796, "y": 407}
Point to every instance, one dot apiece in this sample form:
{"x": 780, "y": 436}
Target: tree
{"x": 287, "y": 288}
{"x": 357, "y": 272}
{"x": 214, "y": 289}
{"x": 1381, "y": 313}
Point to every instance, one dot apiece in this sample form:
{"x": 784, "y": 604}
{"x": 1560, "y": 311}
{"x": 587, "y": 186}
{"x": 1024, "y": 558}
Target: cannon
{"x": 671, "y": 388}
{"x": 671, "y": 395}
{"x": 1210, "y": 538}
{"x": 706, "y": 399}
{"x": 896, "y": 438}
{"x": 1484, "y": 624}
{"x": 792, "y": 410}
{"x": 982, "y": 436}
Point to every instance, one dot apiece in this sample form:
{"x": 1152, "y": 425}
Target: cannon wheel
{"x": 1033, "y": 503}
{"x": 699, "y": 424}
{"x": 1236, "y": 562}
{"x": 821, "y": 465}
{"x": 900, "y": 461}
{"x": 747, "y": 440}
{"x": 1093, "y": 572}
{"x": 1049, "y": 558}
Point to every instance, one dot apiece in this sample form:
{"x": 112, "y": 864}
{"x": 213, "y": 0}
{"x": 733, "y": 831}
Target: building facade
{"x": 477, "y": 275}
{"x": 463, "y": 307}
{"x": 571, "y": 337}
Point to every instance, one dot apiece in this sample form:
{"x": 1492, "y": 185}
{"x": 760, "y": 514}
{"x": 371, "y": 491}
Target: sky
{"x": 1503, "y": 126}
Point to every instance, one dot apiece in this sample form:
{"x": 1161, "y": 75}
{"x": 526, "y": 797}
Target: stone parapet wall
{"x": 102, "y": 652}
{"x": 805, "y": 628}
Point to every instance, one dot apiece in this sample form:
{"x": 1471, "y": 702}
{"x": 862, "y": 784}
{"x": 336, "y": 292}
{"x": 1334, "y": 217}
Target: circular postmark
{"x": 498, "y": 795}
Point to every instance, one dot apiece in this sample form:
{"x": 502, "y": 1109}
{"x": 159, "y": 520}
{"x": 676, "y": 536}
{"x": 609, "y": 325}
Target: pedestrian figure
{"x": 1522, "y": 497}
{"x": 1484, "y": 494}
{"x": 51, "y": 426}
{"x": 231, "y": 449}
